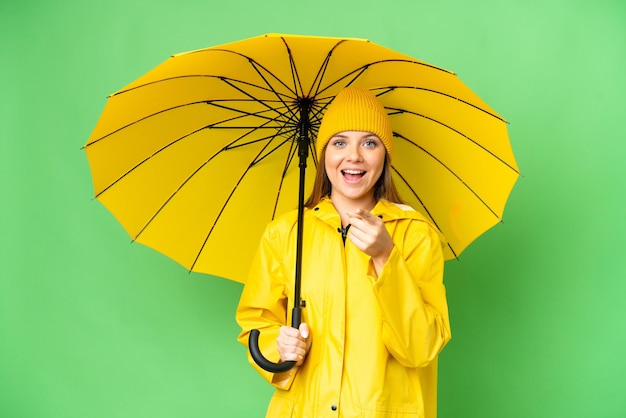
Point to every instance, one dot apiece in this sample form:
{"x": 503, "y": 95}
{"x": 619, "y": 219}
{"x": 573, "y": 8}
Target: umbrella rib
{"x": 292, "y": 152}
{"x": 280, "y": 111}
{"x": 295, "y": 78}
{"x": 321, "y": 72}
{"x": 179, "y": 77}
{"x": 140, "y": 163}
{"x": 226, "y": 80}
{"x": 280, "y": 129}
{"x": 163, "y": 148}
{"x": 196, "y": 171}
{"x": 312, "y": 152}
{"x": 455, "y": 131}
{"x": 257, "y": 100}
{"x": 318, "y": 110}
{"x": 121, "y": 128}
{"x": 256, "y": 65}
{"x": 214, "y": 125}
{"x": 260, "y": 158}
{"x": 319, "y": 77}
{"x": 423, "y": 205}
{"x": 451, "y": 172}
{"x": 227, "y": 200}
{"x": 391, "y": 88}
{"x": 230, "y": 147}
{"x": 358, "y": 72}
{"x": 244, "y": 113}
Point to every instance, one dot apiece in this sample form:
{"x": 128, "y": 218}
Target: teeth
{"x": 353, "y": 171}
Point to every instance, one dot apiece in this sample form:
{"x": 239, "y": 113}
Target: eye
{"x": 339, "y": 143}
{"x": 370, "y": 143}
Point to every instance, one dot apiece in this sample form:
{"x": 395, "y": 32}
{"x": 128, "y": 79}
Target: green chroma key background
{"x": 91, "y": 326}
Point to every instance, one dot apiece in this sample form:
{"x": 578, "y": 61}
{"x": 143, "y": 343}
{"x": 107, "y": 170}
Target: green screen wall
{"x": 93, "y": 326}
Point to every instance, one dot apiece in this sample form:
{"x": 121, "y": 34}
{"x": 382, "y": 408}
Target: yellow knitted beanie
{"x": 354, "y": 109}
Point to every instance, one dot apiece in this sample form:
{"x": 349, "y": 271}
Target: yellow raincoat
{"x": 375, "y": 341}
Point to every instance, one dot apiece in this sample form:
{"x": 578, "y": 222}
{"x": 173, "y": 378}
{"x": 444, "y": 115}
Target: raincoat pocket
{"x": 280, "y": 407}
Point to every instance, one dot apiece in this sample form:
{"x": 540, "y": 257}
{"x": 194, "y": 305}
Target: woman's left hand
{"x": 369, "y": 234}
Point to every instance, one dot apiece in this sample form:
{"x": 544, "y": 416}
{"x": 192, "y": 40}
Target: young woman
{"x": 376, "y": 315}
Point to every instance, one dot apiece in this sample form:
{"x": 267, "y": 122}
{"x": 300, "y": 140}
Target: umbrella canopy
{"x": 195, "y": 157}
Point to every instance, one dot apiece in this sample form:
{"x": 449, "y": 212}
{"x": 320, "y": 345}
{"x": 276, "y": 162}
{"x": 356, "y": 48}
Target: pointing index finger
{"x": 362, "y": 215}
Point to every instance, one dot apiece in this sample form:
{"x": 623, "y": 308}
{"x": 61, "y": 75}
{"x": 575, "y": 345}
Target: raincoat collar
{"x": 387, "y": 211}
{"x": 384, "y": 209}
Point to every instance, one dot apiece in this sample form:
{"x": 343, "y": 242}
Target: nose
{"x": 354, "y": 153}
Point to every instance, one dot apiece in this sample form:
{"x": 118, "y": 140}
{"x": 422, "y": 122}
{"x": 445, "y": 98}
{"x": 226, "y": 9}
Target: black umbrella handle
{"x": 259, "y": 358}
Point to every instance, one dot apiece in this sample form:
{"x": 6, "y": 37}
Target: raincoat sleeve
{"x": 263, "y": 304}
{"x": 412, "y": 299}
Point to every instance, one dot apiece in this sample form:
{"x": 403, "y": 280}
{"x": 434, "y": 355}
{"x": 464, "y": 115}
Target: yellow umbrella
{"x": 195, "y": 157}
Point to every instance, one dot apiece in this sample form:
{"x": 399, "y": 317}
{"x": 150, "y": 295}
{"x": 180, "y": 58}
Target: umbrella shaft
{"x": 303, "y": 154}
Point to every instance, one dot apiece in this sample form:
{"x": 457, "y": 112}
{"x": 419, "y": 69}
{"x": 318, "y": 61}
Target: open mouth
{"x": 352, "y": 175}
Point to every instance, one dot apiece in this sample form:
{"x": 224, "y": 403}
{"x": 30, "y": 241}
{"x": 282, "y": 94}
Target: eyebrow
{"x": 369, "y": 135}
